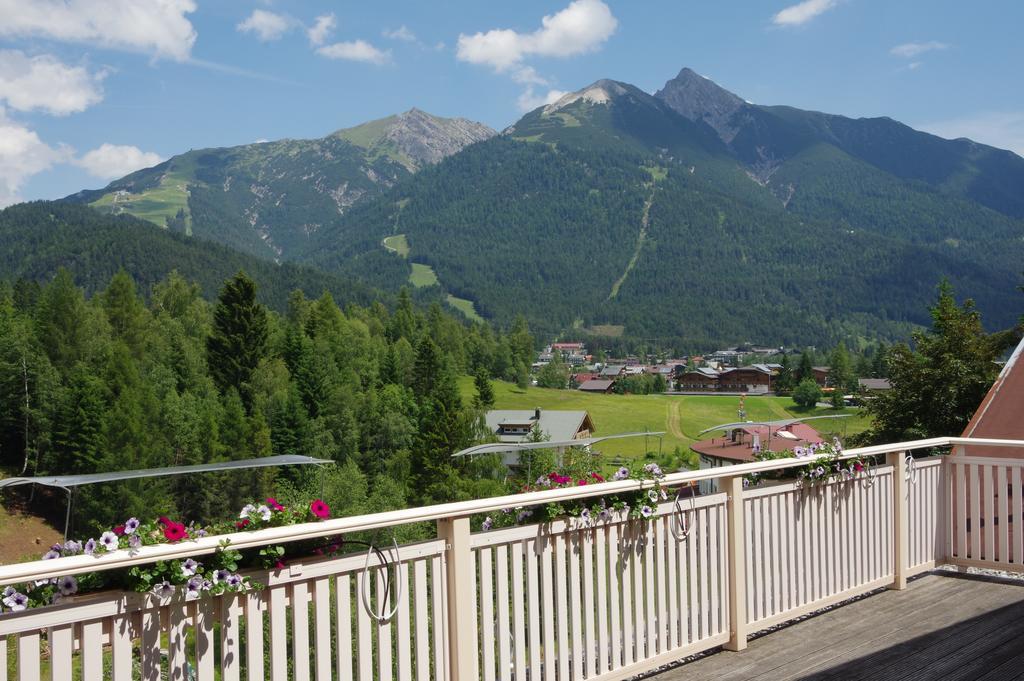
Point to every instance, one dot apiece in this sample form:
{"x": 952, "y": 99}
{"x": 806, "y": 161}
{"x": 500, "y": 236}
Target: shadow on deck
{"x": 943, "y": 626}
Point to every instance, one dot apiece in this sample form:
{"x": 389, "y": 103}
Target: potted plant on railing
{"x": 824, "y": 464}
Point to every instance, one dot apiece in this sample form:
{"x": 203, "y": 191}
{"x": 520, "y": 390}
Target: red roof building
{"x": 1001, "y": 413}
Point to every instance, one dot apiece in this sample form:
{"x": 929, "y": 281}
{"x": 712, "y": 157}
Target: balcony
{"x": 563, "y": 600}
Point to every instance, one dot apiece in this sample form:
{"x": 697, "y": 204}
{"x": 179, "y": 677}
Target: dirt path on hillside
{"x": 639, "y": 246}
{"x": 673, "y": 419}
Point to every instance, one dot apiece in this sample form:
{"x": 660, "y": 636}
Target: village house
{"x": 697, "y": 380}
{"x": 597, "y": 385}
{"x": 753, "y": 378}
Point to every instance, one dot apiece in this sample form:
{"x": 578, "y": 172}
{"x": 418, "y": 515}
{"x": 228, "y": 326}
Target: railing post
{"x": 462, "y": 629}
{"x": 736, "y": 557}
{"x": 900, "y": 519}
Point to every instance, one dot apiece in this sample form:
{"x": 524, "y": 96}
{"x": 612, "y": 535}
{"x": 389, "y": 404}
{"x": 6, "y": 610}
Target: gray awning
{"x": 68, "y": 481}
{"x": 773, "y": 424}
{"x": 501, "y": 447}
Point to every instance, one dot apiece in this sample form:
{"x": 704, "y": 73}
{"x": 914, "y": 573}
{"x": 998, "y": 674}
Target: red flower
{"x": 280, "y": 564}
{"x": 119, "y": 530}
{"x": 597, "y": 476}
{"x": 581, "y": 482}
{"x": 174, "y": 531}
{"x": 274, "y": 506}
{"x": 164, "y": 520}
{"x": 242, "y": 523}
{"x": 320, "y": 509}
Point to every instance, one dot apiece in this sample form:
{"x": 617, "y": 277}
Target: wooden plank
{"x": 180, "y": 618}
{"x": 650, "y": 613}
{"x": 253, "y": 636}
{"x": 693, "y": 570}
{"x": 960, "y": 482}
{"x": 230, "y": 643}
{"x": 590, "y": 639}
{"x": 343, "y": 626}
{"x": 403, "y": 624}
{"x": 672, "y": 582}
{"x": 62, "y": 643}
{"x": 626, "y": 561}
{"x": 661, "y": 540}
{"x": 639, "y": 530}
{"x": 533, "y": 594}
{"x": 322, "y": 628}
{"x": 575, "y": 563}
{"x": 988, "y": 500}
{"x": 547, "y": 598}
{"x": 1003, "y": 518}
{"x": 28, "y": 656}
{"x": 504, "y": 631}
{"x": 519, "y": 639}
{"x": 756, "y": 582}
{"x": 421, "y": 600}
{"x": 561, "y": 607}
{"x": 975, "y": 492}
{"x": 607, "y": 600}
{"x": 440, "y": 616}
{"x": 364, "y": 630}
{"x": 1017, "y": 509}
{"x": 486, "y": 581}
{"x": 204, "y": 633}
{"x": 383, "y": 603}
{"x": 714, "y": 571}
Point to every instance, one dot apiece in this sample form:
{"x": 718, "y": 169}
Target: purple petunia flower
{"x": 16, "y": 601}
{"x": 71, "y": 547}
{"x": 109, "y": 541}
{"x": 90, "y": 547}
{"x": 9, "y": 591}
{"x": 134, "y": 542}
{"x": 51, "y": 554}
{"x": 246, "y": 510}
{"x": 220, "y": 576}
{"x": 163, "y": 590}
{"x": 68, "y": 585}
{"x": 487, "y": 524}
{"x": 653, "y": 496}
{"x": 200, "y": 533}
{"x": 234, "y": 581}
{"x": 193, "y": 587}
{"x": 523, "y": 515}
{"x": 131, "y": 525}
{"x": 585, "y": 516}
{"x": 189, "y": 567}
{"x": 621, "y": 474}
{"x": 646, "y": 511}
{"x": 263, "y": 512}
{"x": 654, "y": 469}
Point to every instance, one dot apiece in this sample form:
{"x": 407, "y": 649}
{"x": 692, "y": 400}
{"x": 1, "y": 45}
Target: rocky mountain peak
{"x": 416, "y": 138}
{"x": 701, "y": 99}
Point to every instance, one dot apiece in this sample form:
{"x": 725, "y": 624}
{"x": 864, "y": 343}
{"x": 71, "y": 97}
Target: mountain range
{"x": 688, "y": 215}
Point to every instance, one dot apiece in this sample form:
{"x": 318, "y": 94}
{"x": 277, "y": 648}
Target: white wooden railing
{"x": 552, "y": 601}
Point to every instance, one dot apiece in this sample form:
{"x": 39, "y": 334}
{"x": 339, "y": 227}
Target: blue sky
{"x": 92, "y": 89}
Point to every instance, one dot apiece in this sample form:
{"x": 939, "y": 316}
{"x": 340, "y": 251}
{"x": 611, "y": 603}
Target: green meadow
{"x": 681, "y": 417}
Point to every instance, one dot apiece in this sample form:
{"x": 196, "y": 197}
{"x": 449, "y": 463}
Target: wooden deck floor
{"x": 943, "y": 626}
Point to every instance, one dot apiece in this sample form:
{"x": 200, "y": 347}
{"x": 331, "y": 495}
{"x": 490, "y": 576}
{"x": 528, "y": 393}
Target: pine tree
{"x": 124, "y": 310}
{"x": 805, "y": 369}
{"x": 484, "y": 390}
{"x": 239, "y": 338}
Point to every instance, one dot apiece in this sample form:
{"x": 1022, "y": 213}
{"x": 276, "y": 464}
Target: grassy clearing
{"x": 608, "y": 330}
{"x": 155, "y": 205}
{"x": 682, "y": 417}
{"x": 398, "y": 244}
{"x": 657, "y": 172}
{"x": 466, "y": 307}
{"x": 422, "y": 275}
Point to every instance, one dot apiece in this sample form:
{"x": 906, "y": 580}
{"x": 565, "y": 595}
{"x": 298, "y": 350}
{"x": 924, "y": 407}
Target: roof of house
{"x": 784, "y": 437}
{"x": 612, "y": 370}
{"x": 597, "y": 385}
{"x": 874, "y": 383}
{"x": 999, "y": 414}
{"x": 759, "y": 368}
{"x": 556, "y": 424}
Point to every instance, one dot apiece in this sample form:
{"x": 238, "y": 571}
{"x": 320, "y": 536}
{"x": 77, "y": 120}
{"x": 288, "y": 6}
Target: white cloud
{"x": 322, "y": 28}
{"x": 1002, "y": 129}
{"x": 802, "y": 12}
{"x": 529, "y": 100}
{"x": 22, "y": 155}
{"x": 911, "y": 50}
{"x": 579, "y": 28}
{"x": 158, "y": 27}
{"x": 355, "y": 50}
{"x": 266, "y": 25}
{"x": 47, "y": 84}
{"x": 527, "y": 75}
{"x": 401, "y": 33}
{"x": 914, "y": 65}
{"x": 109, "y": 161}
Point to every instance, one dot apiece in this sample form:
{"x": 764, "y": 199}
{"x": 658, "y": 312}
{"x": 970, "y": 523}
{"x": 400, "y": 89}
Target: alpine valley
{"x": 689, "y": 215}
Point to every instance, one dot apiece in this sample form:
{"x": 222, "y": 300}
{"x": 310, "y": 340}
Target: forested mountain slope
{"x": 609, "y": 207}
